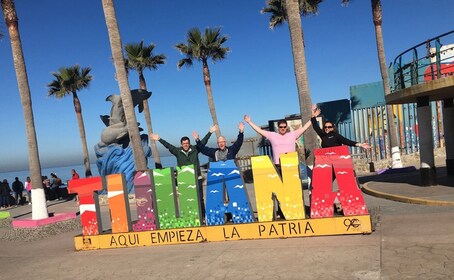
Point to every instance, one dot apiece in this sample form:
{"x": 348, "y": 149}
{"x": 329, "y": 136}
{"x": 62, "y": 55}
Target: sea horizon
{"x": 64, "y": 171}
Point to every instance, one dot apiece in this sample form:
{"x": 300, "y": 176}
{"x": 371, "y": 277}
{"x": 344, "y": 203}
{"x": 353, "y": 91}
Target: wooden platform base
{"x": 259, "y": 230}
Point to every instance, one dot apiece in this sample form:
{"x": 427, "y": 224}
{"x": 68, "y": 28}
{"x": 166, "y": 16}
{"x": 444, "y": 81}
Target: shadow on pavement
{"x": 411, "y": 177}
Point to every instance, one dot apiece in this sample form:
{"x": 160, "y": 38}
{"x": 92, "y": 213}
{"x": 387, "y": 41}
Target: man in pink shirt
{"x": 284, "y": 140}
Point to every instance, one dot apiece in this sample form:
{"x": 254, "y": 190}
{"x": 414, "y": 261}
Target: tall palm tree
{"x": 39, "y": 207}
{"x": 202, "y": 48}
{"x": 290, "y": 11}
{"x": 122, "y": 77}
{"x": 377, "y": 18}
{"x": 139, "y": 58}
{"x": 70, "y": 80}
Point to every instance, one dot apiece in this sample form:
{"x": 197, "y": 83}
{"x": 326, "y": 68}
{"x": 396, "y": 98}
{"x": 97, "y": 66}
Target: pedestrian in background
{"x": 28, "y": 188}
{"x": 5, "y": 191}
{"x": 18, "y": 188}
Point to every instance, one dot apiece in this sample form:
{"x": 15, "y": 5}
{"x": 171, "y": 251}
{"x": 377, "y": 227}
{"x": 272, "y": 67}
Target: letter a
{"x": 349, "y": 195}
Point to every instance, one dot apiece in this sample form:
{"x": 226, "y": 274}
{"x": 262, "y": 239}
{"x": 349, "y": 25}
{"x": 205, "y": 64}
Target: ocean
{"x": 64, "y": 172}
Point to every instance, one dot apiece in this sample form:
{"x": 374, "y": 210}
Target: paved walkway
{"x": 404, "y": 186}
{"x": 410, "y": 241}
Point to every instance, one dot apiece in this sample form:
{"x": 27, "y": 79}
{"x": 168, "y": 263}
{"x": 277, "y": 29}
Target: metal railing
{"x": 426, "y": 61}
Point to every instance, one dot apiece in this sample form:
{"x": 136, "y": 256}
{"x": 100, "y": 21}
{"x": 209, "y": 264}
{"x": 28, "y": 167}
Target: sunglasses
{"x": 328, "y": 126}
{"x": 282, "y": 126}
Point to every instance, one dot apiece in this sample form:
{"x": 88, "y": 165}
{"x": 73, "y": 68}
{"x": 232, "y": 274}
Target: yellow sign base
{"x": 259, "y": 230}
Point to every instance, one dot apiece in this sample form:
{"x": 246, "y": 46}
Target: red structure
{"x": 431, "y": 73}
{"x": 335, "y": 161}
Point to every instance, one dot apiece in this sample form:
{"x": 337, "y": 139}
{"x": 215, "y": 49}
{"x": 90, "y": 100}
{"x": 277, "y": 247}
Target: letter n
{"x": 220, "y": 174}
{"x": 87, "y": 190}
{"x": 177, "y": 207}
{"x": 323, "y": 197}
{"x": 288, "y": 191}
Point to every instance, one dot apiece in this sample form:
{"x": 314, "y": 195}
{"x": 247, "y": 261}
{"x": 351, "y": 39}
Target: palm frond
{"x": 184, "y": 62}
{"x": 141, "y": 57}
{"x": 278, "y": 13}
{"x": 69, "y": 80}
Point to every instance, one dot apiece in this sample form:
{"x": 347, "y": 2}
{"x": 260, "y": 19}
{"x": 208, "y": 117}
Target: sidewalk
{"x": 405, "y": 187}
{"x": 409, "y": 242}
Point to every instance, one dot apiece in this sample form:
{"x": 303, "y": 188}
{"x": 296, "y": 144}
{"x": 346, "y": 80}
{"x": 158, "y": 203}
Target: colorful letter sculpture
{"x": 88, "y": 203}
{"x": 144, "y": 202}
{"x": 349, "y": 195}
{"x": 288, "y": 191}
{"x": 168, "y": 208}
{"x": 178, "y": 207}
{"x": 224, "y": 176}
{"x": 117, "y": 196}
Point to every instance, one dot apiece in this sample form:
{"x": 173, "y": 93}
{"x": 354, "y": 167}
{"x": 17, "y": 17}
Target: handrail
{"x": 423, "y": 43}
{"x": 435, "y": 64}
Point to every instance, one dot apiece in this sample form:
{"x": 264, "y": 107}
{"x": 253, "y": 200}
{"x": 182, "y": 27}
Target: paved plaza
{"x": 409, "y": 241}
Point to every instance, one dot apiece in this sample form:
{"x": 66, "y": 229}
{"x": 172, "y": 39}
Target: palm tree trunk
{"x": 302, "y": 81}
{"x": 207, "y": 81}
{"x": 146, "y": 111}
{"x": 377, "y": 18}
{"x": 125, "y": 91}
{"x": 39, "y": 207}
{"x": 83, "y": 138}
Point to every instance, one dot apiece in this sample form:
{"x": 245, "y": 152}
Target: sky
{"x": 256, "y": 78}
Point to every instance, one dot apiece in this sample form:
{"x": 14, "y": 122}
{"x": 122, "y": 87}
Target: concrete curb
{"x": 405, "y": 199}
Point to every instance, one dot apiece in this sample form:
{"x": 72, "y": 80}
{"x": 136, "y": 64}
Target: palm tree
{"x": 202, "y": 48}
{"x": 70, "y": 80}
{"x": 122, "y": 77}
{"x": 140, "y": 57}
{"x": 39, "y": 207}
{"x": 291, "y": 11}
{"x": 377, "y": 18}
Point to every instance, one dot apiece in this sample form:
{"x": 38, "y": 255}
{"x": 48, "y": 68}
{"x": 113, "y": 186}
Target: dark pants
{"x": 18, "y": 197}
{"x": 4, "y": 201}
{"x": 54, "y": 193}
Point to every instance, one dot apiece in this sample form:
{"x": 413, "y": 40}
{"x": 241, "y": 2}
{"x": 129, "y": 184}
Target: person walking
{"x": 18, "y": 188}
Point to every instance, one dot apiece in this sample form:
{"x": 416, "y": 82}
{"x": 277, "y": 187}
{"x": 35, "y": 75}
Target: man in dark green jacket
{"x": 188, "y": 154}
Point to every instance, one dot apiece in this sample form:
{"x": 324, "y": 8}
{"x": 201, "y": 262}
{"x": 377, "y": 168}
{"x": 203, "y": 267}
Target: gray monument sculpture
{"x": 114, "y": 154}
{"x": 116, "y": 127}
